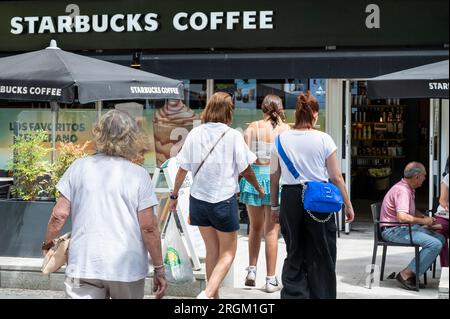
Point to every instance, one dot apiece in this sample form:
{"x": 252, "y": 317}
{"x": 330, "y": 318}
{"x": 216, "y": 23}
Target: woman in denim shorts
{"x": 216, "y": 155}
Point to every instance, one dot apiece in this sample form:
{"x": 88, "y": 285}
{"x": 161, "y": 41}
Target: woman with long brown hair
{"x": 309, "y": 270}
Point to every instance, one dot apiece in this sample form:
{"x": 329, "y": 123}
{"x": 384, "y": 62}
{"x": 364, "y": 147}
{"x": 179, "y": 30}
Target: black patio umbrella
{"x": 56, "y": 75}
{"x": 426, "y": 81}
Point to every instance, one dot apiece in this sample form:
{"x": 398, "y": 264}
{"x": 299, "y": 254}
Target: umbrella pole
{"x": 98, "y": 107}
{"x": 55, "y": 110}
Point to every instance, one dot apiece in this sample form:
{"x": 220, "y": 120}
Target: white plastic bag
{"x": 176, "y": 260}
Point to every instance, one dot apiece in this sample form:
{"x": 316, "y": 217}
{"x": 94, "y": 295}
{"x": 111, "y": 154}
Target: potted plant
{"x": 23, "y": 219}
{"x": 30, "y": 168}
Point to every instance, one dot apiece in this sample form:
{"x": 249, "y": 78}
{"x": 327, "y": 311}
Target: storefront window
{"x": 73, "y": 126}
{"x": 195, "y": 93}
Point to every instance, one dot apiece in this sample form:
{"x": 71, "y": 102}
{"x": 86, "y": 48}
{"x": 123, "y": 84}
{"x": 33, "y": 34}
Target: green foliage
{"x": 34, "y": 175}
{"x": 30, "y": 168}
{"x": 68, "y": 153}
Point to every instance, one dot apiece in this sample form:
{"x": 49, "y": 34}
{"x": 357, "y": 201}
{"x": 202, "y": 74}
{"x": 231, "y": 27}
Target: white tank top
{"x": 261, "y": 149}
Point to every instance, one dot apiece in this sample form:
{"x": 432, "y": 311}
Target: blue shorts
{"x": 223, "y": 216}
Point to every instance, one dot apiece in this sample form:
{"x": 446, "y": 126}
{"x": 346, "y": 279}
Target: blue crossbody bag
{"x": 319, "y": 197}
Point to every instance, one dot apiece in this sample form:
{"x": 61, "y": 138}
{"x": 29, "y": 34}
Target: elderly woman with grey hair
{"x": 110, "y": 201}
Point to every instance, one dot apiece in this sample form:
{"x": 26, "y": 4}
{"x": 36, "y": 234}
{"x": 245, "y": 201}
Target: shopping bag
{"x": 176, "y": 259}
{"x": 56, "y": 256}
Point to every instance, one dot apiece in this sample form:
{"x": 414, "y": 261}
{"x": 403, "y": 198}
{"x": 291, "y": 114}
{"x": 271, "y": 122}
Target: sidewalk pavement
{"x": 18, "y": 275}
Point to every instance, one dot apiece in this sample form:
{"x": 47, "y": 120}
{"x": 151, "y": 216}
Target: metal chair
{"x": 380, "y": 241}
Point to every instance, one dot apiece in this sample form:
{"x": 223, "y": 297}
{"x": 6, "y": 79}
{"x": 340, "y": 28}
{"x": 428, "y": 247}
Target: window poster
{"x": 318, "y": 89}
{"x": 245, "y": 94}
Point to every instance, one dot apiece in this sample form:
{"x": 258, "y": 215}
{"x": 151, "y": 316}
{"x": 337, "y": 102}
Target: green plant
{"x": 34, "y": 175}
{"x": 68, "y": 153}
{"x": 30, "y": 168}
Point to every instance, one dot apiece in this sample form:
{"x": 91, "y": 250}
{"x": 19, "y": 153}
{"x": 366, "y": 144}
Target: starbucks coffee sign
{"x": 231, "y": 24}
{"x": 137, "y": 22}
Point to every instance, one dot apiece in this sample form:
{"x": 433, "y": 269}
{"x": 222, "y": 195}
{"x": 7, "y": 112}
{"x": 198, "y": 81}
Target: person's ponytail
{"x": 273, "y": 107}
{"x": 305, "y": 108}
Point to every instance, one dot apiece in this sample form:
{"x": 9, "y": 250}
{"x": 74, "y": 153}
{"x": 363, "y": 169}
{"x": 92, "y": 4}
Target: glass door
{"x": 434, "y": 153}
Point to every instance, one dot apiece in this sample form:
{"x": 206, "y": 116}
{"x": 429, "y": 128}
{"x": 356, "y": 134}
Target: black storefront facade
{"x": 278, "y": 47}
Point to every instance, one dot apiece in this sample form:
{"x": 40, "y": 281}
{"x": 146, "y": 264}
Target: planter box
{"x": 23, "y": 225}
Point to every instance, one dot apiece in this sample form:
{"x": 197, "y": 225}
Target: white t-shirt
{"x": 217, "y": 179}
{"x": 444, "y": 181}
{"x": 308, "y": 151}
{"x": 105, "y": 195}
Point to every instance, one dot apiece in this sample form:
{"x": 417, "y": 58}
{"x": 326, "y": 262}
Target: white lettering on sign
{"x": 151, "y": 22}
{"x": 138, "y": 22}
{"x": 216, "y": 19}
{"x": 16, "y": 26}
{"x": 114, "y": 26}
{"x": 98, "y": 26}
{"x": 266, "y": 20}
{"x": 133, "y": 22}
{"x": 31, "y": 21}
{"x": 82, "y": 24}
{"x": 438, "y": 85}
{"x": 373, "y": 19}
{"x": 33, "y": 90}
{"x": 153, "y": 90}
{"x": 249, "y": 20}
{"x": 177, "y": 23}
{"x": 46, "y": 25}
{"x": 64, "y": 24}
{"x": 199, "y": 21}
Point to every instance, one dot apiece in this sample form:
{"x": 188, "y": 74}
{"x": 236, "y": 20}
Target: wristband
{"x": 275, "y": 208}
{"x": 173, "y": 196}
{"x": 158, "y": 267}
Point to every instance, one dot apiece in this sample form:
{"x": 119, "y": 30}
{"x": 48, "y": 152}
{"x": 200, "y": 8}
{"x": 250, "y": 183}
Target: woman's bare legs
{"x": 209, "y": 236}
{"x": 256, "y": 217}
{"x": 220, "y": 252}
{"x": 271, "y": 241}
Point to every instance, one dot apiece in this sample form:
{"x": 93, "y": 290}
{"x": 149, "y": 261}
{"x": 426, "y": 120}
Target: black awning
{"x": 426, "y": 81}
{"x": 270, "y": 65}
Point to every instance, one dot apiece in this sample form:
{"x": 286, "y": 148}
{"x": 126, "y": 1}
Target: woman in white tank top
{"x": 260, "y": 136}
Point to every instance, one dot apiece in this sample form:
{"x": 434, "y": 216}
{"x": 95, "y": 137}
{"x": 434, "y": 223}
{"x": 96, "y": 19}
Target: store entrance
{"x": 386, "y": 135}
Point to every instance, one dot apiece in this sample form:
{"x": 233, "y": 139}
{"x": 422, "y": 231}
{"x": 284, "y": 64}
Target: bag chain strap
{"x": 322, "y": 221}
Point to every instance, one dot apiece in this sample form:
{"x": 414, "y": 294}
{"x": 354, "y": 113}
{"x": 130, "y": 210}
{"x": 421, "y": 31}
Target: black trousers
{"x": 309, "y": 270}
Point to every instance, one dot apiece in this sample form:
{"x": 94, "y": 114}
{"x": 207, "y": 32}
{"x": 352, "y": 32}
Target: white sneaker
{"x": 202, "y": 295}
{"x": 250, "y": 280}
{"x": 272, "y": 285}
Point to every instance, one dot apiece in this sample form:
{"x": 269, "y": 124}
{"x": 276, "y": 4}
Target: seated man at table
{"x": 399, "y": 206}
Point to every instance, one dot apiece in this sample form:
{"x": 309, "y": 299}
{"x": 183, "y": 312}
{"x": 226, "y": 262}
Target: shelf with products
{"x": 383, "y": 106}
{"x": 379, "y": 156}
{"x": 377, "y": 139}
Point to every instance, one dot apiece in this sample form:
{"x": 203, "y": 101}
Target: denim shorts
{"x": 223, "y": 216}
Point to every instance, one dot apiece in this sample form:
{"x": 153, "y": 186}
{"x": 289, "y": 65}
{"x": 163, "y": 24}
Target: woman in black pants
{"x": 309, "y": 270}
